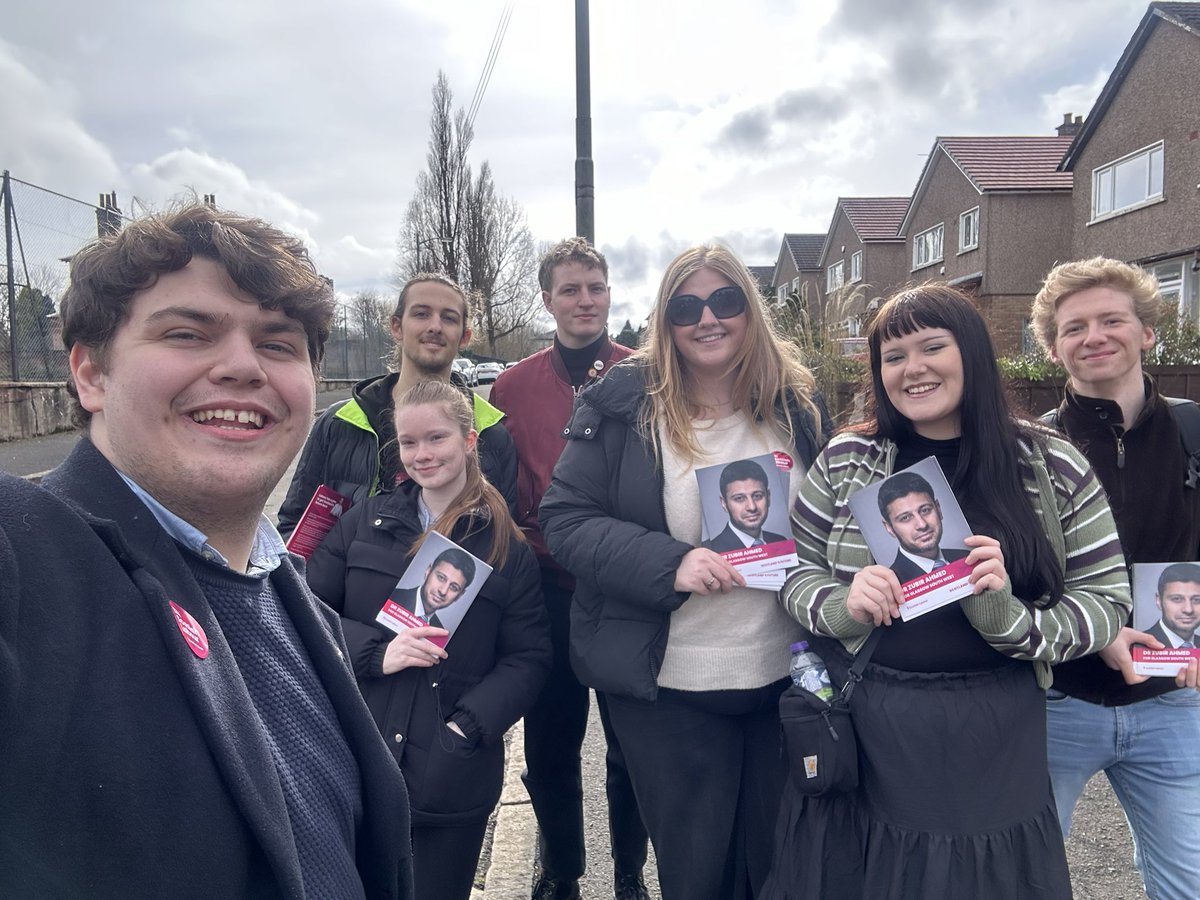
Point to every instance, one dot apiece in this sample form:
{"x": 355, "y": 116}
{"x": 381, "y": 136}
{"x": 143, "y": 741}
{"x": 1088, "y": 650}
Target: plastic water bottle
{"x": 808, "y": 671}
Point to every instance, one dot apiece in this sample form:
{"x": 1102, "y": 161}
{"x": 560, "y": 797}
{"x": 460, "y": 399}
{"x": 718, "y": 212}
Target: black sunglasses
{"x": 688, "y": 309}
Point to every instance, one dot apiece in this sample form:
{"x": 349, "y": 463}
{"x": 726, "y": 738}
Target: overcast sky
{"x": 736, "y": 121}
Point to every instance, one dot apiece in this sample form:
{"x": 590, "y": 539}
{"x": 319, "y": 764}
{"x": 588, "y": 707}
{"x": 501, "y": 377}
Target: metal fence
{"x": 42, "y": 230}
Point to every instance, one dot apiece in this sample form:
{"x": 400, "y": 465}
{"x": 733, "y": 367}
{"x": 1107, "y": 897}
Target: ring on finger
{"x": 710, "y": 582}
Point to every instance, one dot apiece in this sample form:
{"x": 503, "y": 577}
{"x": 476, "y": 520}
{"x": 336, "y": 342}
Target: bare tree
{"x": 431, "y": 235}
{"x": 460, "y": 224}
{"x": 369, "y": 321}
{"x": 501, "y": 260}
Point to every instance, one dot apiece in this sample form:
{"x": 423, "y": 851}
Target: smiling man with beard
{"x": 352, "y": 448}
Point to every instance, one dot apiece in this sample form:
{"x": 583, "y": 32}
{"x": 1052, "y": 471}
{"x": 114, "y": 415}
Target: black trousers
{"x": 708, "y": 773}
{"x": 554, "y": 731}
{"x": 445, "y": 859}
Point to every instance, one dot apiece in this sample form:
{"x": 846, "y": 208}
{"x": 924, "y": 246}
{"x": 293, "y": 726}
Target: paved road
{"x": 38, "y": 455}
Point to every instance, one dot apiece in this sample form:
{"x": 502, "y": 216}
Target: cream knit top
{"x": 739, "y": 640}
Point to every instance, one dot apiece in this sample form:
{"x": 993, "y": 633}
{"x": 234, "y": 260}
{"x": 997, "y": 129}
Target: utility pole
{"x": 585, "y": 190}
{"x": 15, "y": 364}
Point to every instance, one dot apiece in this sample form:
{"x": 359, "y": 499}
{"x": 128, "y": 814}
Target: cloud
{"x": 42, "y": 140}
{"x": 185, "y": 170}
{"x": 1077, "y": 99}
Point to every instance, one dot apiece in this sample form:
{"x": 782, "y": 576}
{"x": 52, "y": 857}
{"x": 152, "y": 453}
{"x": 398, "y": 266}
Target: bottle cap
{"x": 799, "y": 646}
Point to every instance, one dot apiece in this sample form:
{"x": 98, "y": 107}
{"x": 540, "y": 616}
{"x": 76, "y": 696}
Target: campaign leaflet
{"x": 437, "y": 588}
{"x": 744, "y": 508}
{"x": 1166, "y": 604}
{"x": 321, "y": 514}
{"x": 917, "y": 531}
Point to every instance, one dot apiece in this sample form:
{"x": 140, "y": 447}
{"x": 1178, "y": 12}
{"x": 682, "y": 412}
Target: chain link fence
{"x": 42, "y": 230}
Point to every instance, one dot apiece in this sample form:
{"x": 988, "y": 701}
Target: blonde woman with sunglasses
{"x": 689, "y": 660}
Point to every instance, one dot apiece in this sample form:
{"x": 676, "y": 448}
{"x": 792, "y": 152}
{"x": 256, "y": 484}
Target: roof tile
{"x": 875, "y": 218}
{"x": 1011, "y": 163}
{"x": 805, "y": 250}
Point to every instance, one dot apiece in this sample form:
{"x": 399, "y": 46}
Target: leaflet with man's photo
{"x": 437, "y": 588}
{"x": 1166, "y": 605}
{"x": 745, "y": 517}
{"x": 321, "y": 514}
{"x": 913, "y": 524}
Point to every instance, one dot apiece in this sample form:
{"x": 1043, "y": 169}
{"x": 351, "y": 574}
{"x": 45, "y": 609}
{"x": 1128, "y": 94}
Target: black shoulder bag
{"x": 818, "y": 737}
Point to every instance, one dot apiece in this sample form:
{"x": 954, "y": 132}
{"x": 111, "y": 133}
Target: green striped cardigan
{"x": 1066, "y": 496}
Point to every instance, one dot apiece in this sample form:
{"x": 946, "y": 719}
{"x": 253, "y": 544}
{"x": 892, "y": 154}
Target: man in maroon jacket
{"x": 537, "y": 395}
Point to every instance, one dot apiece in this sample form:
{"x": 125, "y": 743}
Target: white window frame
{"x": 968, "y": 230}
{"x": 928, "y": 246}
{"x": 781, "y": 293}
{"x": 835, "y": 276}
{"x": 855, "y": 268}
{"x": 1104, "y": 182}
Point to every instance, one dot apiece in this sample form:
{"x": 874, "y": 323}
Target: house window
{"x": 1128, "y": 183}
{"x": 855, "y": 268}
{"x": 968, "y": 230}
{"x": 927, "y": 246}
{"x": 781, "y": 293}
{"x": 835, "y": 276}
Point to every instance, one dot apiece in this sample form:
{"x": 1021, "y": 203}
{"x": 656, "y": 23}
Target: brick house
{"x": 863, "y": 247}
{"x": 764, "y": 277}
{"x": 992, "y": 215}
{"x": 798, "y": 267}
{"x": 1136, "y": 160}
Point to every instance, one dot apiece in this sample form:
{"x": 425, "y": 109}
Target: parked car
{"x": 487, "y": 372}
{"x": 463, "y": 367}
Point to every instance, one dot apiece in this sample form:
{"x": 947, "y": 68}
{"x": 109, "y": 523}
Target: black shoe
{"x": 629, "y": 886}
{"x": 547, "y": 888}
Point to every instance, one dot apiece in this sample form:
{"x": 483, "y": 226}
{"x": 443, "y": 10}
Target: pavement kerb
{"x": 514, "y": 840}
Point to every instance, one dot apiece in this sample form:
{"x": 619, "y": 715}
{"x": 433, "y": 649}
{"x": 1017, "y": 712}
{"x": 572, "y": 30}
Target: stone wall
{"x": 33, "y": 408}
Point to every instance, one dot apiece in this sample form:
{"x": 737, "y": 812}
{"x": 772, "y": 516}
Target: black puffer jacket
{"x": 496, "y": 664}
{"x": 347, "y": 449}
{"x": 604, "y": 521}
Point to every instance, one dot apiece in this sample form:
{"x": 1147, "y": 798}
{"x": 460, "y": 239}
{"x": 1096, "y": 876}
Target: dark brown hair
{"x": 261, "y": 260}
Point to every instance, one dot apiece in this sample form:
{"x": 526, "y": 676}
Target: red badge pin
{"x": 783, "y": 461}
{"x": 192, "y": 633}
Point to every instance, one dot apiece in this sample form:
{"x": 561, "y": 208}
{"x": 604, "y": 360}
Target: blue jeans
{"x": 1150, "y": 752}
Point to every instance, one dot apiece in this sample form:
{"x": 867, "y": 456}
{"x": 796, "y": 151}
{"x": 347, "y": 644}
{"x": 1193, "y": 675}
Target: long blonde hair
{"x": 478, "y": 499}
{"x": 767, "y": 367}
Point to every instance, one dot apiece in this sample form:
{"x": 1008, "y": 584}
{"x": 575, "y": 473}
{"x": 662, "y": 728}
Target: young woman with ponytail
{"x": 443, "y": 712}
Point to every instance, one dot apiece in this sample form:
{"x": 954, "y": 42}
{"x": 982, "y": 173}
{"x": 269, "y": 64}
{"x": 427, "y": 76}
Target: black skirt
{"x": 954, "y": 797}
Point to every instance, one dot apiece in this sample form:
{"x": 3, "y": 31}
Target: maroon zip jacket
{"x": 537, "y": 397}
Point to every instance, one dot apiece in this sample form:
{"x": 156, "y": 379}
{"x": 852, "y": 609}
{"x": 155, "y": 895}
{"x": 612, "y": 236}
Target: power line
{"x": 486, "y": 76}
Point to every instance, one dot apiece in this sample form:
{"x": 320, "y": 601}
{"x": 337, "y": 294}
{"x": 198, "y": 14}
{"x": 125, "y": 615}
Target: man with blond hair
{"x": 1096, "y": 318}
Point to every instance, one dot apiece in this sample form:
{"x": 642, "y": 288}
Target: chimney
{"x": 1069, "y": 128}
{"x": 108, "y": 215}
{"x": 210, "y": 200}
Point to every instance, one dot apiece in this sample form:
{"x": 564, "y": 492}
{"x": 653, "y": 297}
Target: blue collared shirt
{"x": 265, "y": 555}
